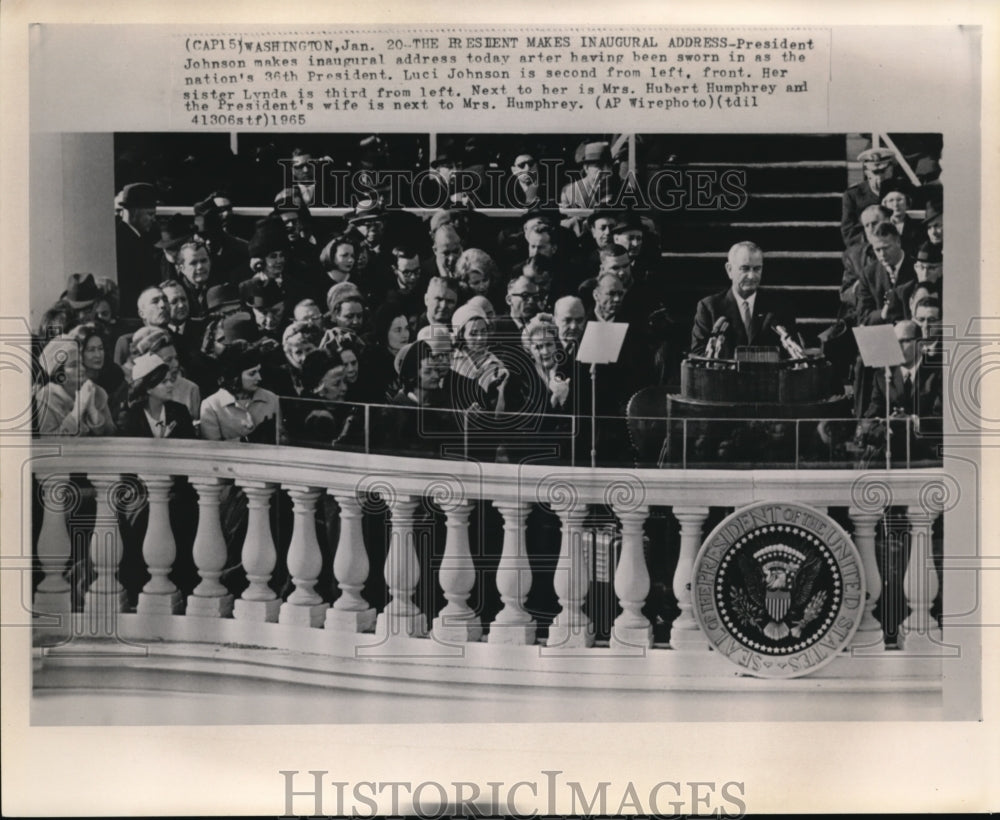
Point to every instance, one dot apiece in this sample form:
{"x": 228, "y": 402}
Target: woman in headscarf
{"x": 472, "y": 357}
{"x": 69, "y": 403}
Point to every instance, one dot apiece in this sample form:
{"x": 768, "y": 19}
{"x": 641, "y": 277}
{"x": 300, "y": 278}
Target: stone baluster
{"x": 402, "y": 574}
{"x": 513, "y": 625}
{"x": 54, "y": 594}
{"x": 210, "y": 599}
{"x": 350, "y": 612}
{"x": 258, "y": 601}
{"x": 456, "y": 622}
{"x": 106, "y": 596}
{"x": 919, "y": 630}
{"x": 572, "y": 627}
{"x": 305, "y": 606}
{"x": 685, "y": 632}
{"x": 631, "y": 628}
{"x": 159, "y": 596}
{"x": 869, "y": 635}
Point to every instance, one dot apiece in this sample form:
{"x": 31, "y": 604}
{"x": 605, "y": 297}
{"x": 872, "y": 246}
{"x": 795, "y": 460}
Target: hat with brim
{"x": 138, "y": 195}
{"x": 366, "y": 212}
{"x": 443, "y": 158}
{"x": 876, "y": 159}
{"x": 930, "y": 254}
{"x": 551, "y": 215}
{"x": 148, "y": 371}
{"x": 220, "y": 296}
{"x": 240, "y": 326}
{"x": 593, "y": 152}
{"x": 270, "y": 237}
{"x": 81, "y": 291}
{"x": 628, "y": 221}
{"x": 206, "y": 206}
{"x": 264, "y": 295}
{"x": 174, "y": 233}
{"x": 933, "y": 211}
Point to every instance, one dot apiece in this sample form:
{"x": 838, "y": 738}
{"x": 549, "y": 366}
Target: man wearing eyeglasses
{"x": 523, "y": 301}
{"x": 525, "y": 180}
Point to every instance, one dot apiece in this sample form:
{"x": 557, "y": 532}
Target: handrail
{"x": 502, "y": 483}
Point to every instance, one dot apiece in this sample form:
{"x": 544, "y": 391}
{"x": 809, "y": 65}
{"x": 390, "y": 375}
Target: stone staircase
{"x": 794, "y": 184}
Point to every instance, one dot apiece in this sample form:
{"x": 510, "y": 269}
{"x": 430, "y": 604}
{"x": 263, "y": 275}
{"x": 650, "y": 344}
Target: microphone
{"x": 793, "y": 348}
{"x": 713, "y": 349}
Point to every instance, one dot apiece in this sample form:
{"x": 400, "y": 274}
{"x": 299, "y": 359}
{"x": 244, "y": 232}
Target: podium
{"x": 741, "y": 412}
{"x": 757, "y": 384}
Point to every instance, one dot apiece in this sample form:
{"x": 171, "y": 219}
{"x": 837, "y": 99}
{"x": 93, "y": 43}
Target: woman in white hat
{"x": 472, "y": 357}
{"x": 69, "y": 403}
{"x": 152, "y": 412}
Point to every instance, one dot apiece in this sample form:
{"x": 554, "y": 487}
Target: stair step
{"x": 749, "y": 147}
{"x": 692, "y": 237}
{"x": 686, "y": 272}
{"x": 767, "y": 254}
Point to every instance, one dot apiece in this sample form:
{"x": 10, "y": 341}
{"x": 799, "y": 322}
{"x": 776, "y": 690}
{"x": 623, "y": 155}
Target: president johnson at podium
{"x": 743, "y": 314}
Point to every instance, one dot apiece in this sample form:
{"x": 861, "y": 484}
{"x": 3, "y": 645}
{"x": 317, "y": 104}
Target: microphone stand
{"x": 888, "y": 410}
{"x": 593, "y": 416}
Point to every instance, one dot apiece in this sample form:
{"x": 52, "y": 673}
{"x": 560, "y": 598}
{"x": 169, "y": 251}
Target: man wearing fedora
{"x": 136, "y": 232}
{"x": 879, "y": 166}
{"x": 230, "y": 255}
{"x": 934, "y": 222}
{"x": 928, "y": 267}
{"x": 173, "y": 234}
{"x": 305, "y": 270}
{"x": 81, "y": 293}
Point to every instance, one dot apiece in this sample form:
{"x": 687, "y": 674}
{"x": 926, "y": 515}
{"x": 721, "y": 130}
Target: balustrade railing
{"x": 466, "y": 553}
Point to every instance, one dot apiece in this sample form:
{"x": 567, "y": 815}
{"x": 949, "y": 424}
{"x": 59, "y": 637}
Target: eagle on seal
{"x": 780, "y": 583}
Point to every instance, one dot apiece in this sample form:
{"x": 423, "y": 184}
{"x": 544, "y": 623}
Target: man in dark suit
{"x": 928, "y": 267}
{"x": 751, "y": 316}
{"x": 856, "y": 257}
{"x": 915, "y": 390}
{"x": 877, "y": 296}
{"x": 136, "y": 232}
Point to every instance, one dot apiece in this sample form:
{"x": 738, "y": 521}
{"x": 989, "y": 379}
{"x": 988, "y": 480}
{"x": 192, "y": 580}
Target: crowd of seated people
{"x": 456, "y": 335}
{"x": 453, "y": 313}
{"x": 893, "y": 265}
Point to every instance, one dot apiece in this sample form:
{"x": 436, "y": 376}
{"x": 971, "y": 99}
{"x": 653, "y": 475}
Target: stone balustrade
{"x": 408, "y": 492}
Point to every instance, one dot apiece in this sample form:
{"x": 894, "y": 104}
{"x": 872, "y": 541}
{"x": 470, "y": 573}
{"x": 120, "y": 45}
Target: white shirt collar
{"x": 751, "y": 299}
{"x": 154, "y": 421}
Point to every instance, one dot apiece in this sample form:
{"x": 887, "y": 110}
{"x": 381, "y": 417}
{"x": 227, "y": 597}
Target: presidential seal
{"x": 778, "y": 589}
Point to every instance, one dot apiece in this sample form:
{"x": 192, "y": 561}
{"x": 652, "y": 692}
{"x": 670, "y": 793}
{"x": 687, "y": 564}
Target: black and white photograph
{"x": 553, "y": 411}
